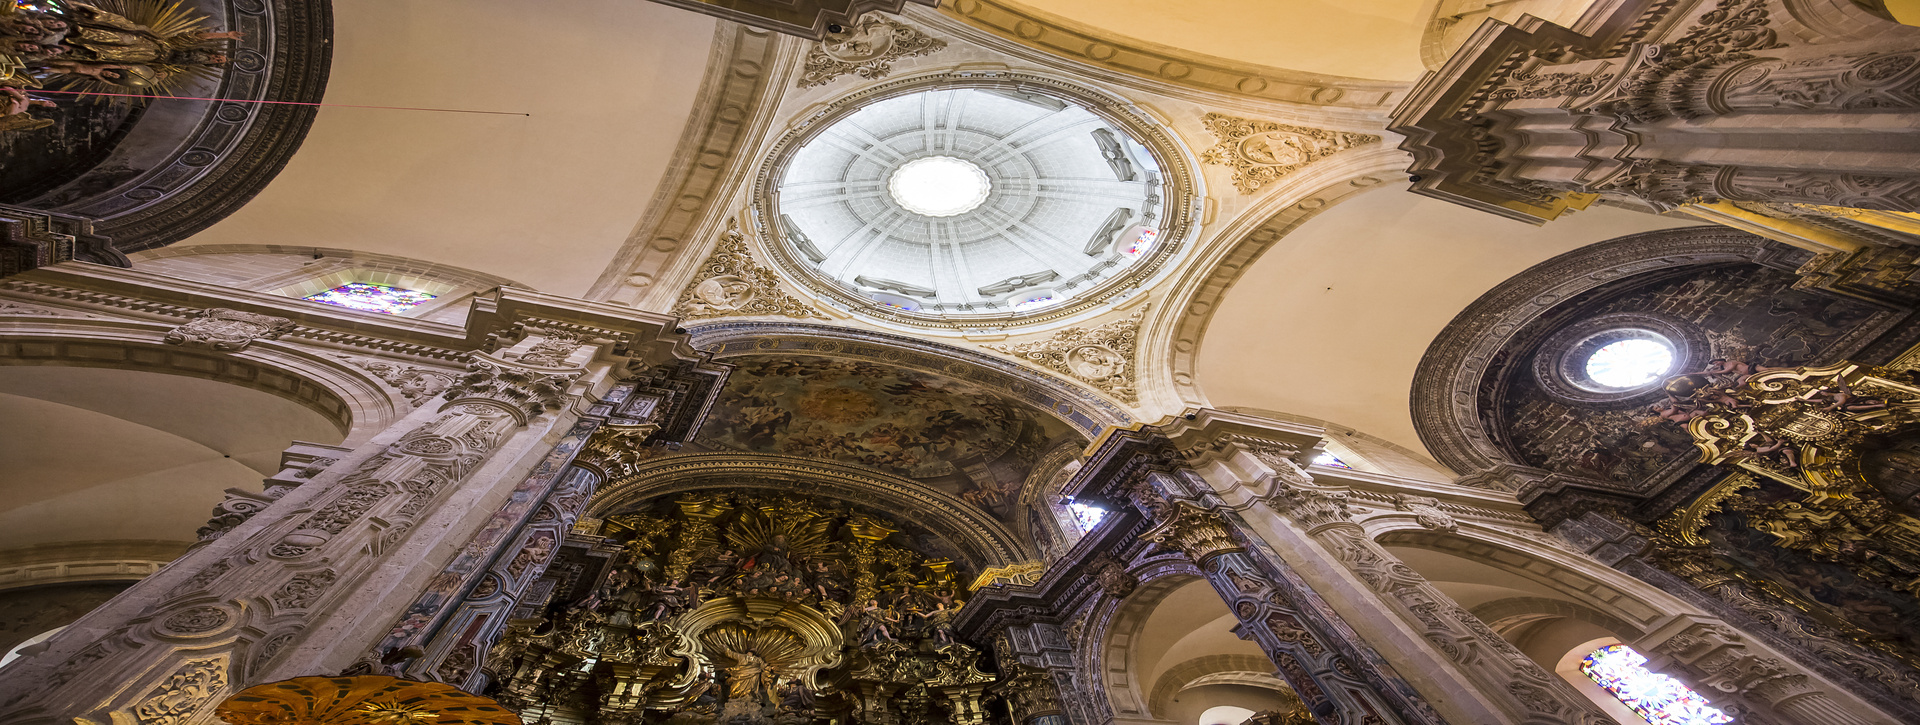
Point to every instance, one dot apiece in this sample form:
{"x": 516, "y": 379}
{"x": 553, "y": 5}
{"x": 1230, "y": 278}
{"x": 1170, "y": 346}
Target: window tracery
{"x": 1659, "y": 698}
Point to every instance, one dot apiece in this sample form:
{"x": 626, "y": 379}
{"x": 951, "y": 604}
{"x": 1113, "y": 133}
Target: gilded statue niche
{"x": 744, "y": 607}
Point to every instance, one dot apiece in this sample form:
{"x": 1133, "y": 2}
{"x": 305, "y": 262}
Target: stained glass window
{"x": 1032, "y": 302}
{"x": 1660, "y": 699}
{"x": 1086, "y": 516}
{"x": 1140, "y": 244}
{"x": 1328, "y": 459}
{"x": 371, "y": 297}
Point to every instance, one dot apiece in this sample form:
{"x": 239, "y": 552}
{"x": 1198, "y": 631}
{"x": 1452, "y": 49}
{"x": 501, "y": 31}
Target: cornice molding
{"x": 1164, "y": 65}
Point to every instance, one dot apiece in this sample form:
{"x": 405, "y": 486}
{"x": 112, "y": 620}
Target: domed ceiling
{"x": 963, "y": 202}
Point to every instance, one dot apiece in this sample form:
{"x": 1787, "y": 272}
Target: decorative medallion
{"x": 731, "y": 284}
{"x": 196, "y": 620}
{"x": 1099, "y": 356}
{"x": 868, "y": 49}
{"x": 228, "y": 330}
{"x": 1261, "y": 152}
{"x": 177, "y": 700}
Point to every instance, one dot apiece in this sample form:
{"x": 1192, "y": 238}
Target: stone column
{"x": 1338, "y": 675}
{"x": 1039, "y": 677}
{"x": 1525, "y": 691}
{"x": 311, "y": 583}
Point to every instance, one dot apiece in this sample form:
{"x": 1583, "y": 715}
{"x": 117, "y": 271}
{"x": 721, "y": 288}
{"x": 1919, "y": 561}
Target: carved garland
{"x": 867, "y": 50}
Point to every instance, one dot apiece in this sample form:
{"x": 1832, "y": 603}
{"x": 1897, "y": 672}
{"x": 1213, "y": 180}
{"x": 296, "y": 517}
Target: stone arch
{"x": 350, "y": 397}
{"x": 1244, "y": 670}
{"x": 983, "y": 540}
{"x": 1112, "y": 627}
{"x": 1503, "y": 615}
{"x": 1078, "y": 407}
{"x": 1630, "y": 605}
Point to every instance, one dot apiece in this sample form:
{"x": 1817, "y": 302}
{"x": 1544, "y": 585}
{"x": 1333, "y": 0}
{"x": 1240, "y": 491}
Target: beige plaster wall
{"x": 1377, "y": 39}
{"x": 545, "y": 199}
{"x": 1333, "y": 320}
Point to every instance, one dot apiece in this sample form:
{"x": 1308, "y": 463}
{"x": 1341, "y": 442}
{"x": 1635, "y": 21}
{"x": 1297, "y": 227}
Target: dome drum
{"x": 978, "y": 201}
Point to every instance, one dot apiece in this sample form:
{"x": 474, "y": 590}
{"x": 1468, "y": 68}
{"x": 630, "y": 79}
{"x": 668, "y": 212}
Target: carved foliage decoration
{"x": 867, "y": 49}
{"x": 1260, "y": 152}
{"x": 182, "y": 695}
{"x": 416, "y": 383}
{"x": 227, "y": 330}
{"x": 731, "y": 284}
{"x": 1100, "y": 356}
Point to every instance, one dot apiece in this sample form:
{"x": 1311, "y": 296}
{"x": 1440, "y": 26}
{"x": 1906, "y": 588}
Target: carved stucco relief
{"x": 1261, "y": 152}
{"x": 1099, "y": 356}
{"x": 731, "y": 284}
{"x": 868, "y": 50}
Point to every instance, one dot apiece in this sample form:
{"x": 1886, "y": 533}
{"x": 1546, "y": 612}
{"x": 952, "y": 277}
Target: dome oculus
{"x": 973, "y": 203}
{"x": 939, "y": 186}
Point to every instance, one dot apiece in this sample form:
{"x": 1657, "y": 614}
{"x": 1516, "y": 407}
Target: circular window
{"x": 1630, "y": 363}
{"x": 1618, "y": 358}
{"x": 939, "y": 186}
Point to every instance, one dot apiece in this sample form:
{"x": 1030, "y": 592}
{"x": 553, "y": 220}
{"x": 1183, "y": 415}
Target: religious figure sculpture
{"x": 143, "y": 48}
{"x": 751, "y": 679}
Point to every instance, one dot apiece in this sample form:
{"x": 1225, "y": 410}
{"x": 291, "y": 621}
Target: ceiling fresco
{"x": 951, "y": 435}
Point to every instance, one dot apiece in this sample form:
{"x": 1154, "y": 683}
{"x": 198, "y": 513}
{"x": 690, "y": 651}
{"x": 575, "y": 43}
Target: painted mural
{"x": 953, "y": 435}
{"x": 1765, "y": 320}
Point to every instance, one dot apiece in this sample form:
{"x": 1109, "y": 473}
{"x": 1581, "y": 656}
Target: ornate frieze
{"x": 227, "y": 330}
{"x": 524, "y": 392}
{"x": 731, "y": 284}
{"x": 416, "y": 383}
{"x": 1100, "y": 356}
{"x": 867, "y": 49}
{"x": 1426, "y": 512}
{"x": 1261, "y": 152}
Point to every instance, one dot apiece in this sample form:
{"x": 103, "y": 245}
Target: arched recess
{"x": 1446, "y": 409}
{"x": 1084, "y": 410}
{"x": 984, "y": 541}
{"x": 358, "y": 403}
{"x": 1526, "y": 581}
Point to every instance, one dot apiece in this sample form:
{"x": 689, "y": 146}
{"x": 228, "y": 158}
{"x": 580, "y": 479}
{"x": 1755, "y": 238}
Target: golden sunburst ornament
{"x": 365, "y": 700}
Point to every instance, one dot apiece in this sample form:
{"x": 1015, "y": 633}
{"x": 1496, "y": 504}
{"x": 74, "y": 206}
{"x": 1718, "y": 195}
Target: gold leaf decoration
{"x": 366, "y": 700}
{"x": 1261, "y": 152}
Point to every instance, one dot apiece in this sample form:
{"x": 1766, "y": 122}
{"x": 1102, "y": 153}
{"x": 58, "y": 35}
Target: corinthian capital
{"x": 1193, "y": 531}
{"x": 526, "y": 393}
{"x": 1312, "y": 508}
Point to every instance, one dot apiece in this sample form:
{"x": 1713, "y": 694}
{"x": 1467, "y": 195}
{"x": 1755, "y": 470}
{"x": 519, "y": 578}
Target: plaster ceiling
{"x": 96, "y": 453}
{"x": 1333, "y": 320}
{"x": 1378, "y": 39}
{"x": 1190, "y": 622}
{"x": 544, "y": 199}
{"x": 1062, "y": 188}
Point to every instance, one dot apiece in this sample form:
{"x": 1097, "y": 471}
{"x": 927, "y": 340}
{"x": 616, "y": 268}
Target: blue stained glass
{"x": 371, "y": 297}
{"x": 1659, "y": 698}
{"x": 1086, "y": 516}
{"x": 1328, "y": 459}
